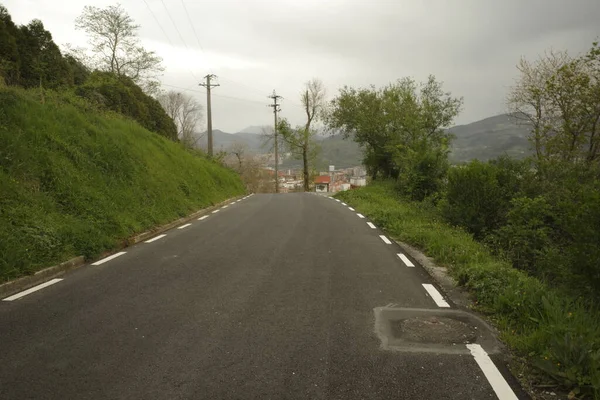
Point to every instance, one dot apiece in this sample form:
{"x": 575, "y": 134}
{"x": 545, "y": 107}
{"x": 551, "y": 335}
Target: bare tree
{"x": 238, "y": 150}
{"x": 115, "y": 45}
{"x": 186, "y": 112}
{"x": 300, "y": 141}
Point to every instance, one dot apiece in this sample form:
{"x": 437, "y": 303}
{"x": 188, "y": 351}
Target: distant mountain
{"x": 255, "y": 129}
{"x": 482, "y": 140}
{"x": 490, "y": 138}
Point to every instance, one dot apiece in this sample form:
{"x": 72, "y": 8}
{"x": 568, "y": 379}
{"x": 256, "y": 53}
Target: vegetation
{"x": 186, "y": 112}
{"x": 75, "y": 180}
{"x": 401, "y": 130}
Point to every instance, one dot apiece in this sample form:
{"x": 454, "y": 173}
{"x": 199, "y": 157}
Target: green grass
{"x": 558, "y": 335}
{"x": 74, "y": 181}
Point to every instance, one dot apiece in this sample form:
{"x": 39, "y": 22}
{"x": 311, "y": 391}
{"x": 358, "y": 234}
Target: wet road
{"x": 273, "y": 297}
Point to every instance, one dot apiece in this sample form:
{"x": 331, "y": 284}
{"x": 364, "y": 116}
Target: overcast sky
{"x": 255, "y": 46}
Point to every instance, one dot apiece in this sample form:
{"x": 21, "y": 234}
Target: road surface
{"x": 272, "y": 297}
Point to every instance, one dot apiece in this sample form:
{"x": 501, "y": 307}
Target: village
{"x": 331, "y": 181}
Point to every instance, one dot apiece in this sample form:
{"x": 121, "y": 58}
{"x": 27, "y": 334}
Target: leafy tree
{"x": 41, "y": 60}
{"x": 115, "y": 45}
{"x": 560, "y": 97}
{"x": 300, "y": 141}
{"x": 9, "y": 53}
{"x": 186, "y": 112}
{"x": 401, "y": 129}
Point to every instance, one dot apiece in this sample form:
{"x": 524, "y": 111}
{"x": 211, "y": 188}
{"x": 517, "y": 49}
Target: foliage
{"x": 478, "y": 194}
{"x": 557, "y": 333}
{"x": 120, "y": 94}
{"x": 76, "y": 181}
{"x": 401, "y": 130}
{"x": 30, "y": 58}
{"x": 115, "y": 45}
{"x": 186, "y": 112}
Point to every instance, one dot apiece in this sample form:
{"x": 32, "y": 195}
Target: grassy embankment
{"x": 557, "y": 334}
{"x": 76, "y": 181}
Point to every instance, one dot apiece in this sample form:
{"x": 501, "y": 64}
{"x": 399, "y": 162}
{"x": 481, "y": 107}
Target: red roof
{"x": 323, "y": 179}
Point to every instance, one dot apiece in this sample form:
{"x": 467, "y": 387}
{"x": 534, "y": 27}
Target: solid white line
{"x": 216, "y": 211}
{"x": 360, "y": 215}
{"x": 155, "y": 238}
{"x": 31, "y": 290}
{"x": 386, "y": 240}
{"x": 351, "y": 209}
{"x": 109, "y": 258}
{"x": 225, "y": 206}
{"x": 494, "y": 377}
{"x": 184, "y": 226}
{"x": 344, "y": 204}
{"x": 371, "y": 225}
{"x": 405, "y": 260}
{"x": 203, "y": 217}
{"x": 435, "y": 295}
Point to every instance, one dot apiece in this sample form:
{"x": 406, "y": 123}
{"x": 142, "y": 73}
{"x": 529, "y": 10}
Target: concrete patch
{"x": 432, "y": 331}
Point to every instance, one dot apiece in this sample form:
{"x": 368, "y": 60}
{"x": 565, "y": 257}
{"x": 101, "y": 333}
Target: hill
{"x": 490, "y": 138}
{"x": 75, "y": 180}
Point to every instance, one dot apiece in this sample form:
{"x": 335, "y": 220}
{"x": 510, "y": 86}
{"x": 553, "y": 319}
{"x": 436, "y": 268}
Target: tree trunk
{"x": 305, "y": 165}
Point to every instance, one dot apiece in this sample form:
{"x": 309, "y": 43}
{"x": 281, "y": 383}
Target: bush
{"x": 478, "y": 194}
{"x": 122, "y": 95}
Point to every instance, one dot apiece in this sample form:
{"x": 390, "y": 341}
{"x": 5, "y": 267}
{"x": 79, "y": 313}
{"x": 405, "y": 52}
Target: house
{"x": 322, "y": 183}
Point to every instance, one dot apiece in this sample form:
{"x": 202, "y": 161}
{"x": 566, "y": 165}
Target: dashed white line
{"x": 435, "y": 295}
{"x": 338, "y": 200}
{"x": 216, "y": 211}
{"x": 31, "y": 290}
{"x": 225, "y": 206}
{"x": 405, "y": 260}
{"x": 155, "y": 238}
{"x": 494, "y": 377}
{"x": 351, "y": 209}
{"x": 109, "y": 258}
{"x": 385, "y": 239}
{"x": 360, "y": 215}
{"x": 371, "y": 225}
{"x": 344, "y": 204}
{"x": 203, "y": 217}
{"x": 184, "y": 226}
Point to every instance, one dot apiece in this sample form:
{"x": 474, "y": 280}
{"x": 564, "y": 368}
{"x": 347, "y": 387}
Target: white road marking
{"x": 109, "y": 258}
{"x": 203, "y": 217}
{"x": 31, "y": 290}
{"x": 155, "y": 238}
{"x": 338, "y": 200}
{"x": 344, "y": 204}
{"x": 225, "y": 206}
{"x": 371, "y": 225}
{"x": 351, "y": 209}
{"x": 435, "y": 295}
{"x": 405, "y": 260}
{"x": 386, "y": 240}
{"x": 184, "y": 226}
{"x": 360, "y": 215}
{"x": 216, "y": 211}
{"x": 494, "y": 377}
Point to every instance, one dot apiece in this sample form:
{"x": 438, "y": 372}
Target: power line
{"x": 158, "y": 23}
{"x": 174, "y": 25}
{"x": 216, "y": 95}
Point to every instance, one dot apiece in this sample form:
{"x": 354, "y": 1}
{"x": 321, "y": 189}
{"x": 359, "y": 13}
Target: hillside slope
{"x": 76, "y": 181}
{"x": 490, "y": 138}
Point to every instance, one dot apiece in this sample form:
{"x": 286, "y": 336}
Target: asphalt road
{"x": 272, "y": 297}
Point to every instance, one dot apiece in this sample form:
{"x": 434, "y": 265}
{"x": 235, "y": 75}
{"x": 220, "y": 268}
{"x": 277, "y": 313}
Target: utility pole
{"x": 276, "y": 109}
{"x": 209, "y": 86}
